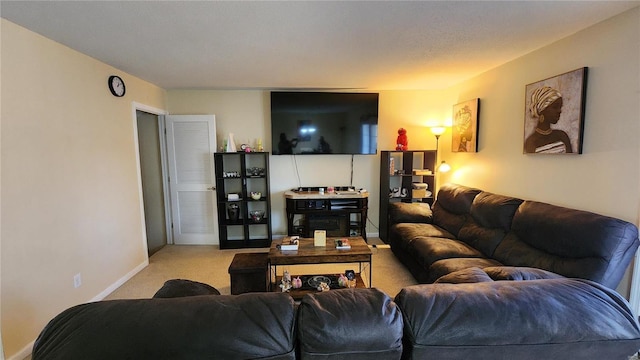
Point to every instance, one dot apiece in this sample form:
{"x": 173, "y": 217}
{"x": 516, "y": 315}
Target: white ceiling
{"x": 379, "y": 45}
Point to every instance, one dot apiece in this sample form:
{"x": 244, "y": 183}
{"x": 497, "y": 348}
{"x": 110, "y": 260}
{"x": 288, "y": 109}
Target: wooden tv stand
{"x": 342, "y": 213}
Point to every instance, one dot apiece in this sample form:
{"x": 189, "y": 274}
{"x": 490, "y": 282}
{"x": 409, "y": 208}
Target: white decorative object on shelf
{"x": 231, "y": 144}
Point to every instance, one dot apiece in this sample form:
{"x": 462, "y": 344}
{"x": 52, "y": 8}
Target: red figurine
{"x": 402, "y": 143}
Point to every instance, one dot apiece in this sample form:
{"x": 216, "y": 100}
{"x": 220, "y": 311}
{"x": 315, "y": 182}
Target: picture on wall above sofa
{"x": 554, "y": 114}
{"x": 464, "y": 137}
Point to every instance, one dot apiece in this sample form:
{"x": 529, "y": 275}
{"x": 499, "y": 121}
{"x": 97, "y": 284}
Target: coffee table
{"x": 307, "y": 253}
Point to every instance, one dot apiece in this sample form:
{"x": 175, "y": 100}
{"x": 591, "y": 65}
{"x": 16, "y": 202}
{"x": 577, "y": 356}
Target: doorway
{"x": 151, "y": 172}
{"x": 190, "y": 144}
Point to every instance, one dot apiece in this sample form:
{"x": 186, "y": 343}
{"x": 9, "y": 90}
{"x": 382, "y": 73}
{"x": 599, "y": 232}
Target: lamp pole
{"x": 437, "y": 131}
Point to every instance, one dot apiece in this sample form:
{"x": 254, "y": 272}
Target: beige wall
{"x": 70, "y": 198}
{"x": 605, "y": 178}
{"x": 246, "y": 114}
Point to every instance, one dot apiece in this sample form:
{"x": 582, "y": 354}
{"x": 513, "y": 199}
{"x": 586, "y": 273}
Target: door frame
{"x": 135, "y": 106}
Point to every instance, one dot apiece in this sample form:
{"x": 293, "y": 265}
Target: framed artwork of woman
{"x": 554, "y": 114}
{"x": 464, "y": 135}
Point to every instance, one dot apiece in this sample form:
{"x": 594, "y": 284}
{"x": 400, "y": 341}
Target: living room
{"x": 70, "y": 198}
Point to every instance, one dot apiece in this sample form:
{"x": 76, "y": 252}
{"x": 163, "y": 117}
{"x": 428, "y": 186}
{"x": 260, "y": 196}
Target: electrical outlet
{"x": 77, "y": 280}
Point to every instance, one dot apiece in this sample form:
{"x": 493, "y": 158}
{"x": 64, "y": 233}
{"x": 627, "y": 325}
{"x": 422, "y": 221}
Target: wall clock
{"x": 116, "y": 86}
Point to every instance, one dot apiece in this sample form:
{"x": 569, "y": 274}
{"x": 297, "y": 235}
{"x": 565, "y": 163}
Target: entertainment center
{"x": 342, "y": 212}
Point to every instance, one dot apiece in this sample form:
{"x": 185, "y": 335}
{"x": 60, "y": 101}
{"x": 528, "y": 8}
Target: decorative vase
{"x": 231, "y": 144}
{"x": 233, "y": 211}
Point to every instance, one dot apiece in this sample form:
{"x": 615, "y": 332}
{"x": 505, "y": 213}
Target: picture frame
{"x": 554, "y": 114}
{"x": 464, "y": 135}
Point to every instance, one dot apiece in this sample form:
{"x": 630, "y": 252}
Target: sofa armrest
{"x": 401, "y": 212}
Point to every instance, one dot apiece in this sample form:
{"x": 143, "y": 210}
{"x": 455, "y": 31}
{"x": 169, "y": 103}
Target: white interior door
{"x": 191, "y": 142}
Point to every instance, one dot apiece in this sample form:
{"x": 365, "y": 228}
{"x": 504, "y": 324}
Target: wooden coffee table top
{"x": 307, "y": 253}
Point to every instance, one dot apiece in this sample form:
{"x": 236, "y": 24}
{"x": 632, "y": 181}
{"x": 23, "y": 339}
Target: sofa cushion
{"x": 484, "y": 239}
{"x": 569, "y": 242}
{"x": 183, "y": 287}
{"x": 414, "y": 230}
{"x": 496, "y": 273}
{"x": 494, "y": 211}
{"x": 248, "y": 326}
{"x": 456, "y": 199}
{"x": 405, "y": 233}
{"x": 451, "y": 209}
{"x": 447, "y": 266}
{"x": 470, "y": 275}
{"x": 349, "y": 324}
{"x": 401, "y": 212}
{"x": 428, "y": 250}
{"x": 491, "y": 219}
{"x": 552, "y": 319}
{"x": 519, "y": 273}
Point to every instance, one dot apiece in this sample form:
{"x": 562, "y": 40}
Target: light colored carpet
{"x": 209, "y": 264}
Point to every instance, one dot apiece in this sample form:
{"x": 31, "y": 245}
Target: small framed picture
{"x": 464, "y": 135}
{"x": 554, "y": 114}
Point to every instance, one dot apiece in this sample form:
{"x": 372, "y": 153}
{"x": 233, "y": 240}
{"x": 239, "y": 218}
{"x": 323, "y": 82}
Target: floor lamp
{"x": 437, "y": 131}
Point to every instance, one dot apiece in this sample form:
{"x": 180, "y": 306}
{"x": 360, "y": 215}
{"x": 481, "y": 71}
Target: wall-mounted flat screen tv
{"x": 324, "y": 123}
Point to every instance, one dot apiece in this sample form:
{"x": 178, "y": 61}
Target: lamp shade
{"x": 444, "y": 167}
{"x": 438, "y": 130}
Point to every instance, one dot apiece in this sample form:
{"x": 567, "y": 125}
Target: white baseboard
{"x": 120, "y": 281}
{"x": 26, "y": 351}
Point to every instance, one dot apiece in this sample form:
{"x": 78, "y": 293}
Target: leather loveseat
{"x": 508, "y": 238}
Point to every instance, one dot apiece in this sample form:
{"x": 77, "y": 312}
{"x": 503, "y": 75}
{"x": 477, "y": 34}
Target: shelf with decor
{"x": 244, "y": 202}
{"x": 405, "y": 176}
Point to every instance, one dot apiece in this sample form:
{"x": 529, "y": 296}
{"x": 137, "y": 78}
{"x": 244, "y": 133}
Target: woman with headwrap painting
{"x": 546, "y": 106}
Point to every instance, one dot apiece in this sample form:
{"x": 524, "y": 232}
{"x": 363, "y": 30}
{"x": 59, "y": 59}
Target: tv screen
{"x": 324, "y": 123}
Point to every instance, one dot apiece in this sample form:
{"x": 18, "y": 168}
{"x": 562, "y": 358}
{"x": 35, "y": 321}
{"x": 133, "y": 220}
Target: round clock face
{"x": 116, "y": 86}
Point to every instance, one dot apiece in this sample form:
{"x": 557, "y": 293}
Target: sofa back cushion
{"x": 491, "y": 217}
{"x": 247, "y": 326}
{"x": 451, "y": 209}
{"x": 570, "y": 242}
{"x": 537, "y": 319}
{"x": 401, "y": 212}
{"x": 349, "y": 324}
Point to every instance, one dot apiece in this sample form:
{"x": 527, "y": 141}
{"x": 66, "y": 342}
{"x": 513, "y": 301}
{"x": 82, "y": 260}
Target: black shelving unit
{"x": 397, "y": 172}
{"x": 241, "y": 173}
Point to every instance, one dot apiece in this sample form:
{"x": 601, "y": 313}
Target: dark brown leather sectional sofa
{"x": 507, "y": 279}
{"x": 510, "y": 237}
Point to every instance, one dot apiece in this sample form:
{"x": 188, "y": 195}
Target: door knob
{"x": 211, "y": 188}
